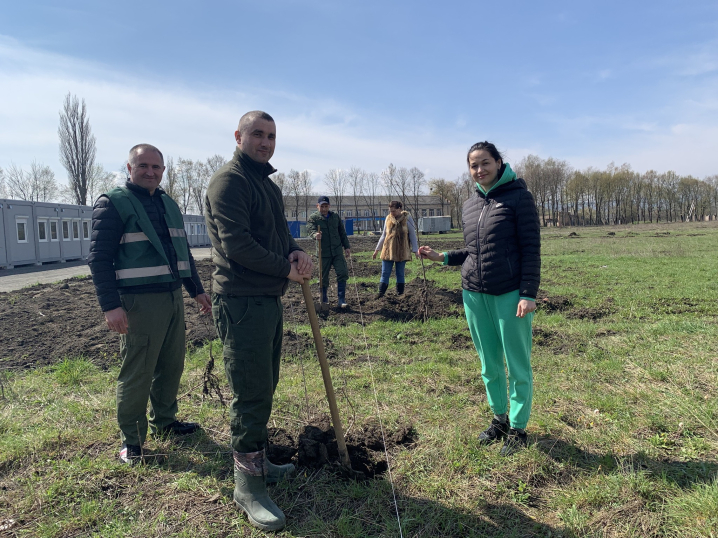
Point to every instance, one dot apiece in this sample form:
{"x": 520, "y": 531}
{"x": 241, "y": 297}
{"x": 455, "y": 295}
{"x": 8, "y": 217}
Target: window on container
{"x": 85, "y": 229}
{"x": 366, "y": 212}
{"x": 53, "y": 230}
{"x": 21, "y": 230}
{"x": 431, "y": 212}
{"x": 65, "y": 230}
{"x": 304, "y": 214}
{"x": 439, "y": 213}
{"x": 191, "y": 229}
{"x": 42, "y": 230}
{"x": 349, "y": 213}
{"x": 76, "y": 230}
{"x": 423, "y": 212}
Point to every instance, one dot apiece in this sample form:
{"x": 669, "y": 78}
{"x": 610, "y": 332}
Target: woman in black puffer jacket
{"x": 500, "y": 274}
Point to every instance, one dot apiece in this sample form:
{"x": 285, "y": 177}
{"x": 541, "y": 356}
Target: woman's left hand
{"x": 525, "y": 307}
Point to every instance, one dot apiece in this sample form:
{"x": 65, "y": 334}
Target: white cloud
{"x": 192, "y": 123}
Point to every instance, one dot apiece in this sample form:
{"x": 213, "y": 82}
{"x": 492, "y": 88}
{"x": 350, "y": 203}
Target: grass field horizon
{"x": 623, "y": 433}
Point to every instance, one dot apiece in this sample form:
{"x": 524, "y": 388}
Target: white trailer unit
{"x": 70, "y": 232}
{"x": 429, "y": 225}
{"x": 46, "y": 217}
{"x": 3, "y": 250}
{"x": 19, "y": 232}
{"x": 85, "y": 229}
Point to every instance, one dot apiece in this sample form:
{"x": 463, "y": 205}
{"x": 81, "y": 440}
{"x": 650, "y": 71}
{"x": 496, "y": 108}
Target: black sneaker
{"x": 131, "y": 454}
{"x": 497, "y": 431}
{"x": 179, "y": 428}
{"x": 515, "y": 441}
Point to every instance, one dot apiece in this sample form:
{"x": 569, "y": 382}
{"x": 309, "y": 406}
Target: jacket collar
{"x": 262, "y": 170}
{"x": 136, "y": 189}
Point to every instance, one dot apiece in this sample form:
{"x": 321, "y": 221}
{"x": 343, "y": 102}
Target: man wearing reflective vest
{"x": 139, "y": 258}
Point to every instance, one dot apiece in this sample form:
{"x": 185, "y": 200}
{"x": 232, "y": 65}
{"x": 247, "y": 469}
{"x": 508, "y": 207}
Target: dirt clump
{"x": 552, "y": 303}
{"x": 315, "y": 446}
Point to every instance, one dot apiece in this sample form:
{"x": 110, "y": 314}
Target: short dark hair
{"x": 144, "y": 147}
{"x": 488, "y": 146}
{"x": 248, "y": 119}
{"x": 395, "y": 204}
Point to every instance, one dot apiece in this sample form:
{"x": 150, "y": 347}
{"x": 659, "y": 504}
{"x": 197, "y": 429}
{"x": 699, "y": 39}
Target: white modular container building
{"x": 19, "y": 232}
{"x": 196, "y": 230}
{"x": 46, "y": 219}
{"x": 434, "y": 225}
{"x": 70, "y": 232}
{"x": 42, "y": 232}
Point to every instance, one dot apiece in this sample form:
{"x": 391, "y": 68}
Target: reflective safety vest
{"x": 141, "y": 259}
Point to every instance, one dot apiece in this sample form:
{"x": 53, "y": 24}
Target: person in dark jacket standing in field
{"x": 139, "y": 258}
{"x": 327, "y": 226}
{"x": 500, "y": 275}
{"x": 255, "y": 257}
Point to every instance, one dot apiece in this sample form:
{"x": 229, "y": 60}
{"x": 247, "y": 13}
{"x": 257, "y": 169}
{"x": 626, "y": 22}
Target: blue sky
{"x": 369, "y": 83}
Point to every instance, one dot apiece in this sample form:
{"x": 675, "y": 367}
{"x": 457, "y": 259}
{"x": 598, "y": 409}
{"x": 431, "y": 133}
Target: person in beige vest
{"x": 397, "y": 242}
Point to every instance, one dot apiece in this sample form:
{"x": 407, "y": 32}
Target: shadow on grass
{"x": 681, "y": 473}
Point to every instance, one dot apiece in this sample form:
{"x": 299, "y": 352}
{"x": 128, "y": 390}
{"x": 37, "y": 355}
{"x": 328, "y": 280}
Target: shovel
{"x": 331, "y": 397}
{"x": 321, "y": 306}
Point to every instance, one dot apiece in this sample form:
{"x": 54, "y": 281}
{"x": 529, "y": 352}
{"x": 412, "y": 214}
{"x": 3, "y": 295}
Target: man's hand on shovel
{"x": 301, "y": 266}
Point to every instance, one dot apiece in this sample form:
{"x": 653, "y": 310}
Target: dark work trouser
{"x": 152, "y": 362}
{"x": 250, "y": 329}
{"x": 340, "y": 266}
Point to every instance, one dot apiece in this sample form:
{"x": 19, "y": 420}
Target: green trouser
{"x": 152, "y": 354}
{"x": 340, "y": 266}
{"x": 250, "y": 329}
{"x": 498, "y": 332}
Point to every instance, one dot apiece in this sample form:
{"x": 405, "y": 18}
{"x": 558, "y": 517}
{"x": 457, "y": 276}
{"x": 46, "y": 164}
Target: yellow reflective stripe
{"x": 177, "y": 232}
{"x": 141, "y": 272}
{"x": 183, "y": 266}
{"x": 133, "y": 237}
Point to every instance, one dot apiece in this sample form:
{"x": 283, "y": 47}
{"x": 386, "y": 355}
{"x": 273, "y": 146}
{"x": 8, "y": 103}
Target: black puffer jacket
{"x": 107, "y": 230}
{"x": 503, "y": 242}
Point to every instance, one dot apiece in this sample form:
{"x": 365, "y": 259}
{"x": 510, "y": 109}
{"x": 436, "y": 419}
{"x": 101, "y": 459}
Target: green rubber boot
{"x": 250, "y": 492}
{"x": 275, "y": 473}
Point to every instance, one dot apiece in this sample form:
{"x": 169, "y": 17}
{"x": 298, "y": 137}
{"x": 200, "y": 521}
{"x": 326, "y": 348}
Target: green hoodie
{"x": 507, "y": 177}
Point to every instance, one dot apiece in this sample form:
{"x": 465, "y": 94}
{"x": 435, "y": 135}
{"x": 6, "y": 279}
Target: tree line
{"x": 564, "y": 196}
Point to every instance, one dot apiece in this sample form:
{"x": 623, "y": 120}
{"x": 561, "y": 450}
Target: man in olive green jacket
{"x": 327, "y": 226}
{"x": 255, "y": 257}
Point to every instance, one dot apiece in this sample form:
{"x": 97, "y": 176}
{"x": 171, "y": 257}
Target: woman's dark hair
{"x": 488, "y": 146}
{"x": 395, "y": 204}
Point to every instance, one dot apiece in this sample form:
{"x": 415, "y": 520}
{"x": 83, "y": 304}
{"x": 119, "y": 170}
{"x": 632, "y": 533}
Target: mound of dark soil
{"x": 44, "y": 324}
{"x": 363, "y": 304}
{"x": 552, "y": 303}
{"x": 316, "y": 446}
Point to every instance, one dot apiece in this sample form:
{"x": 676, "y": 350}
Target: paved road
{"x": 21, "y": 277}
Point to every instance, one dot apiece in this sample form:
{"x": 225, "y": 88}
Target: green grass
{"x": 624, "y": 430}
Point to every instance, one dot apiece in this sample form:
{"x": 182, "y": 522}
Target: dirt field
{"x": 46, "y": 323}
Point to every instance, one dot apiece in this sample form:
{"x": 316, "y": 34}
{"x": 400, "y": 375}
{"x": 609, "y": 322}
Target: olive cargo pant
{"x": 152, "y": 354}
{"x": 498, "y": 333}
{"x": 340, "y": 266}
{"x": 251, "y": 330}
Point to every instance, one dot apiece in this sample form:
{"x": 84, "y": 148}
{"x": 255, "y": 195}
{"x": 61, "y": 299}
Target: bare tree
{"x": 170, "y": 183}
{"x": 77, "y": 146}
{"x": 214, "y": 163}
{"x": 281, "y": 181}
{"x": 294, "y": 187}
{"x": 3, "y": 192}
{"x": 372, "y": 182}
{"x": 199, "y": 186}
{"x": 441, "y": 188}
{"x": 37, "y": 185}
{"x": 101, "y": 181}
{"x": 356, "y": 177}
{"x": 336, "y": 183}
{"x": 417, "y": 180}
{"x": 388, "y": 180}
{"x": 402, "y": 185}
{"x": 305, "y": 190}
